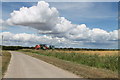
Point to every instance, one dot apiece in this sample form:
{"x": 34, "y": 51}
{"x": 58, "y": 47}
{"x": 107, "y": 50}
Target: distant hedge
{"x": 15, "y": 47}
{"x": 87, "y": 49}
{"x": 65, "y": 49}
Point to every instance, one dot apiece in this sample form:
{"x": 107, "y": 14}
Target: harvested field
{"x": 100, "y": 53}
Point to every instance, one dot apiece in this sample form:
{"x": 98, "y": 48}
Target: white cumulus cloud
{"x": 40, "y": 17}
{"x": 83, "y": 33}
{"x": 46, "y": 19}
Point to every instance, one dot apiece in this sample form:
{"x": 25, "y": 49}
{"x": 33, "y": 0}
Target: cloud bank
{"x": 47, "y": 20}
{"x": 24, "y": 39}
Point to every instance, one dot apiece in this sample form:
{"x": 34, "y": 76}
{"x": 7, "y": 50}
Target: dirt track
{"x": 24, "y": 66}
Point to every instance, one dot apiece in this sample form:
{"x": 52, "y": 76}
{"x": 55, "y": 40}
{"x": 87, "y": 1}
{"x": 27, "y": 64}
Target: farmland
{"x": 106, "y": 60}
{"x": 85, "y": 63}
{"x": 100, "y": 53}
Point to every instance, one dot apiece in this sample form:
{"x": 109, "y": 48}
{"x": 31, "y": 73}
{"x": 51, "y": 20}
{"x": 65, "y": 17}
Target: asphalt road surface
{"x": 24, "y": 66}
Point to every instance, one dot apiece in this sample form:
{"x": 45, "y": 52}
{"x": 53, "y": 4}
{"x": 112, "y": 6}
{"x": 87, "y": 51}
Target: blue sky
{"x": 103, "y": 15}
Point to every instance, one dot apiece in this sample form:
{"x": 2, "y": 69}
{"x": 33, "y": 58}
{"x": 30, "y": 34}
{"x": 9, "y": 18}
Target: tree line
{"x": 15, "y": 47}
{"x": 65, "y": 49}
{"x": 86, "y": 49}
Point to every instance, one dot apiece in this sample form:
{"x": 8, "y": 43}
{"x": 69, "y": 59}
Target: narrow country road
{"x": 24, "y": 66}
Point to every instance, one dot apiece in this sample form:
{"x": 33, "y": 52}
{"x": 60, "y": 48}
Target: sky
{"x": 63, "y": 24}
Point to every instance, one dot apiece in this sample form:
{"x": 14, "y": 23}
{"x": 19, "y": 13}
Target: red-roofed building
{"x": 44, "y": 47}
{"x": 37, "y": 47}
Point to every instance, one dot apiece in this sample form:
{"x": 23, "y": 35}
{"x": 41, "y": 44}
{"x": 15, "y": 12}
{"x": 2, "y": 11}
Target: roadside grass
{"x": 80, "y": 64}
{"x": 6, "y": 56}
{"x": 0, "y": 64}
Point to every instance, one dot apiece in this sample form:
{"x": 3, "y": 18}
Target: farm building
{"x": 44, "y": 46}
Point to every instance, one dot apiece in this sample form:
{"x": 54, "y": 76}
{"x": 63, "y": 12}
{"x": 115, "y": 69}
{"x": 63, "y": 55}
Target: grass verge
{"x": 78, "y": 69}
{"x": 0, "y": 64}
{"x": 6, "y": 56}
